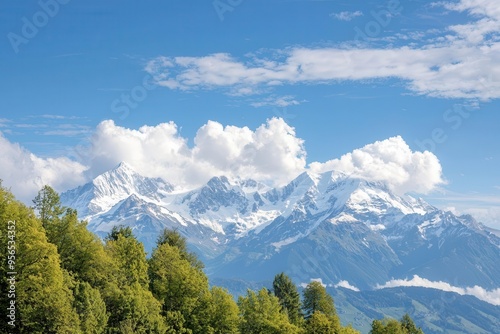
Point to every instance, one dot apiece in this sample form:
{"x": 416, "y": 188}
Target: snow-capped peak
{"x": 112, "y": 186}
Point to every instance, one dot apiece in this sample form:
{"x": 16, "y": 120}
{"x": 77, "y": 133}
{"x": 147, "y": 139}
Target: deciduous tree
{"x": 261, "y": 314}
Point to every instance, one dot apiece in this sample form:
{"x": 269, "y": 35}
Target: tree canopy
{"x": 67, "y": 280}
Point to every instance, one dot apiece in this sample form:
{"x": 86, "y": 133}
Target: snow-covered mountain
{"x": 329, "y": 226}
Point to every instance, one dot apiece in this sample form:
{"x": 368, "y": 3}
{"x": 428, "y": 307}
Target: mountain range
{"x": 328, "y": 226}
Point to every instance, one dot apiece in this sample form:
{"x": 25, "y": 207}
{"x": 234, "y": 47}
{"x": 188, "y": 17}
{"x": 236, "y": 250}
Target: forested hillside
{"x": 57, "y": 277}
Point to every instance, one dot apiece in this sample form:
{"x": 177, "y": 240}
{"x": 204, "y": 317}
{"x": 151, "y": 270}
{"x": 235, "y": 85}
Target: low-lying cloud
{"x": 346, "y": 285}
{"x": 25, "y": 173}
{"x": 489, "y": 296}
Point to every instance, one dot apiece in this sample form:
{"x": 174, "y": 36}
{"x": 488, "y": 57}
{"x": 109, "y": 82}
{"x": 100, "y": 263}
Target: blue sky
{"x": 339, "y": 75}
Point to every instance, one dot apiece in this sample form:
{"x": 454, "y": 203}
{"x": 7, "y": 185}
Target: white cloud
{"x": 346, "y": 16}
{"x": 484, "y": 208}
{"x": 25, "y": 173}
{"x": 272, "y": 153}
{"x": 489, "y": 296}
{"x": 390, "y": 161}
{"x": 488, "y": 215}
{"x": 3, "y": 122}
{"x": 462, "y": 62}
{"x": 346, "y": 285}
{"x": 281, "y": 101}
{"x": 304, "y": 285}
{"x": 481, "y": 8}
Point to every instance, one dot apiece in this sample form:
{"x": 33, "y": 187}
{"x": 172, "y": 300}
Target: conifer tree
{"x": 288, "y": 296}
{"x": 409, "y": 326}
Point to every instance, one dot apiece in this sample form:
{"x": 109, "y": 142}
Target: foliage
{"x": 409, "y": 326}
{"x": 178, "y": 285}
{"x": 118, "y": 230}
{"x": 43, "y": 298}
{"x": 261, "y": 314}
{"x": 69, "y": 281}
{"x": 133, "y": 309}
{"x": 223, "y": 312}
{"x": 392, "y": 326}
{"x": 288, "y": 296}
{"x": 175, "y": 239}
{"x": 319, "y": 323}
{"x": 91, "y": 308}
{"x": 48, "y": 205}
{"x": 128, "y": 254}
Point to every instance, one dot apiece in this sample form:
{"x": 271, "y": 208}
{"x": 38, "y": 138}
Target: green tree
{"x": 116, "y": 231}
{"x": 261, "y": 314}
{"x": 48, "y": 205}
{"x": 176, "y": 323}
{"x": 409, "y": 326}
{"x": 319, "y": 323}
{"x": 133, "y": 309}
{"x": 316, "y": 299}
{"x": 178, "y": 285}
{"x": 288, "y": 296}
{"x": 223, "y": 312}
{"x": 128, "y": 255}
{"x": 386, "y": 326}
{"x": 393, "y": 326}
{"x": 348, "y": 330}
{"x": 130, "y": 304}
{"x": 43, "y": 298}
{"x": 175, "y": 239}
{"x": 91, "y": 308}
{"x": 82, "y": 252}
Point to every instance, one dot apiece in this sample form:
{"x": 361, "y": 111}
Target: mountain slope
{"x": 435, "y": 311}
{"x": 330, "y": 226}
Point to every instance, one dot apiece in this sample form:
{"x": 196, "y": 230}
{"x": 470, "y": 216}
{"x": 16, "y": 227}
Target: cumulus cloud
{"x": 271, "y": 153}
{"x": 462, "y": 62}
{"x": 390, "y": 161}
{"x": 489, "y": 296}
{"x": 346, "y": 16}
{"x": 25, "y": 173}
{"x": 319, "y": 280}
{"x": 346, "y": 285}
